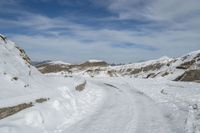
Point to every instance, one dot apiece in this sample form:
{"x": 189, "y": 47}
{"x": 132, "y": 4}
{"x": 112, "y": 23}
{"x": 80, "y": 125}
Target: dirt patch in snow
{"x": 41, "y": 100}
{"x": 8, "y": 111}
{"x": 81, "y": 86}
{"x": 190, "y": 75}
{"x": 24, "y": 55}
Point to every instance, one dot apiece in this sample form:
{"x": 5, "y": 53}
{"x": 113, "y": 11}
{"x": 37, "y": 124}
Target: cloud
{"x": 168, "y": 10}
{"x": 68, "y": 49}
{"x": 135, "y": 46}
{"x": 110, "y": 45}
{"x": 153, "y": 9}
{"x": 139, "y": 30}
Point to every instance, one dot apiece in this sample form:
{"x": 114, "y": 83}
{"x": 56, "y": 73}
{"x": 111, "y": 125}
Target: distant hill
{"x": 163, "y": 67}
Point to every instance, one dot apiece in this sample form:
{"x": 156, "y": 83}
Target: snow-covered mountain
{"x": 169, "y": 68}
{"x": 57, "y": 67}
{"x": 17, "y": 74}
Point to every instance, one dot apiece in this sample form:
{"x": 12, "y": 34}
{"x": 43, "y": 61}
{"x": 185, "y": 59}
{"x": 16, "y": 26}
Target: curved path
{"x": 125, "y": 110}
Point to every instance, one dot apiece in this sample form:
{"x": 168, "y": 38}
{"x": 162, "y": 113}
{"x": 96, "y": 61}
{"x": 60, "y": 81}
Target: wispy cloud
{"x": 135, "y": 46}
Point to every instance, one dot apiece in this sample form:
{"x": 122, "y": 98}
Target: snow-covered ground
{"x": 105, "y": 105}
{"x": 143, "y": 106}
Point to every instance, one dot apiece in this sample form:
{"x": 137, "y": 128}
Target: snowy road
{"x": 125, "y": 110}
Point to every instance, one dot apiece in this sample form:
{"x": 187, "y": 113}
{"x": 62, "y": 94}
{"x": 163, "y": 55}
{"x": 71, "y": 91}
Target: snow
{"x": 78, "y": 80}
{"x": 163, "y": 59}
{"x": 94, "y": 61}
{"x": 106, "y": 105}
{"x": 65, "y": 107}
{"x": 163, "y": 67}
{"x": 59, "y": 62}
{"x": 137, "y": 105}
{"x": 194, "y": 52}
{"x": 133, "y": 103}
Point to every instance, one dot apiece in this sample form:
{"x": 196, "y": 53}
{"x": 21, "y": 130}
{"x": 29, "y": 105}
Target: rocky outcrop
{"x": 147, "y": 68}
{"x": 8, "y": 111}
{"x": 52, "y": 68}
{"x": 93, "y": 64}
{"x": 190, "y": 75}
{"x": 24, "y": 55}
{"x": 163, "y": 67}
{"x": 81, "y": 86}
{"x": 2, "y": 37}
{"x": 41, "y": 100}
{"x": 188, "y": 64}
{"x": 48, "y": 67}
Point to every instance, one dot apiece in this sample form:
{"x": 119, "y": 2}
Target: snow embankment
{"x": 65, "y": 107}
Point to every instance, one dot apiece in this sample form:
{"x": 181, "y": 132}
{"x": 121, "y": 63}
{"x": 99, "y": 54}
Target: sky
{"x": 117, "y": 31}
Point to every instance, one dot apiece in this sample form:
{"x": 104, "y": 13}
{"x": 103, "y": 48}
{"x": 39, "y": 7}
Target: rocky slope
{"x": 164, "y": 67}
{"x": 69, "y": 69}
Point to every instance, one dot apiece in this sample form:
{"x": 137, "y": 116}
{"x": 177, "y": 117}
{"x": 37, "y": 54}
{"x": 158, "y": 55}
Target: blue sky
{"x": 112, "y": 30}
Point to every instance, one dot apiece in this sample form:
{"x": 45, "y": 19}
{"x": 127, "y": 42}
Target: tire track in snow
{"x": 125, "y": 110}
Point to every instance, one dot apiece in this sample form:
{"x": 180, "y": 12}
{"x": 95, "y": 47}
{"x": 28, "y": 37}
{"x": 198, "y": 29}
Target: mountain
{"x": 59, "y": 66}
{"x": 173, "y": 69}
{"x": 16, "y": 73}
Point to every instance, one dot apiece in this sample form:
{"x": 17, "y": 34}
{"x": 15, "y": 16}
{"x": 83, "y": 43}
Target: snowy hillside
{"x": 31, "y": 102}
{"x": 16, "y": 71}
{"x": 163, "y": 67}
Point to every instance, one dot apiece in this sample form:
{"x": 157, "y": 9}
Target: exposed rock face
{"x": 24, "y": 55}
{"x": 54, "y": 68}
{"x": 7, "y": 111}
{"x": 94, "y": 64}
{"x": 81, "y": 86}
{"x": 3, "y": 38}
{"x": 163, "y": 67}
{"x": 188, "y": 64}
{"x": 165, "y": 74}
{"x": 190, "y": 75}
{"x": 148, "y": 68}
{"x": 152, "y": 67}
{"x": 112, "y": 73}
{"x": 41, "y": 100}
